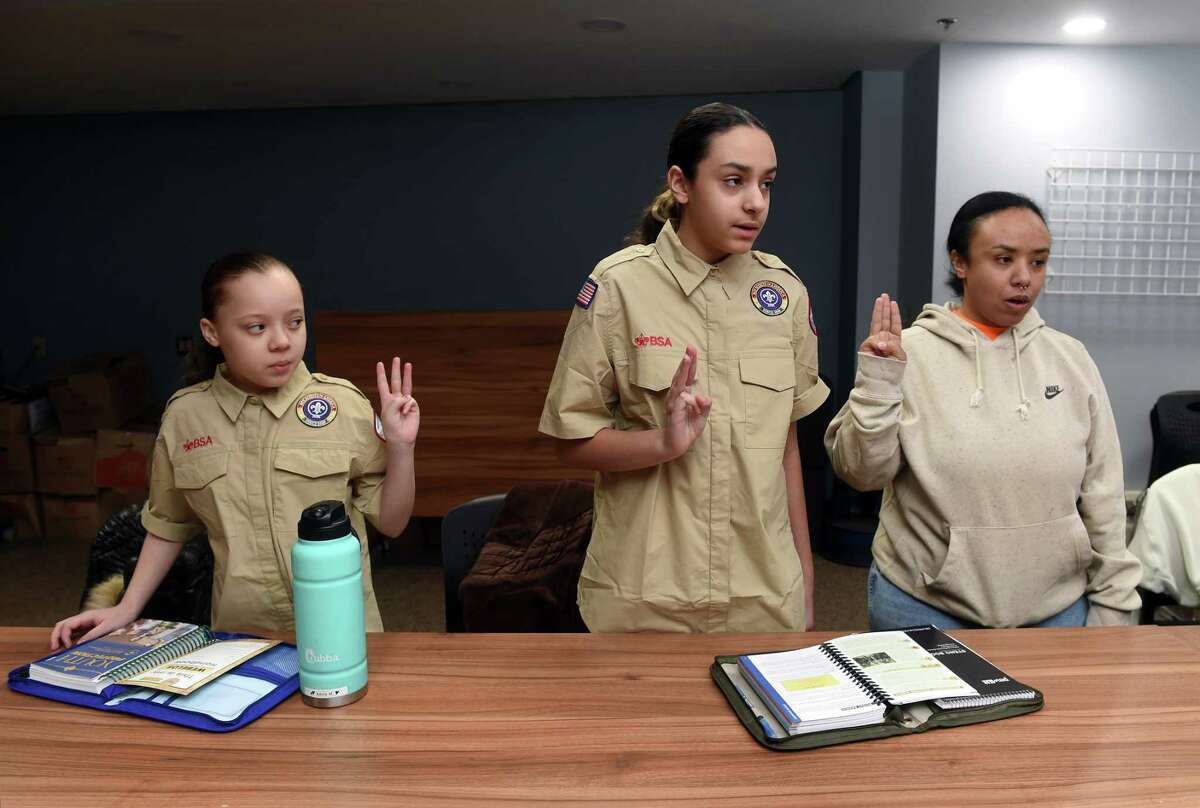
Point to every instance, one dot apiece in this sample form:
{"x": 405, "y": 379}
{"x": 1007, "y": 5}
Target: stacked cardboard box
{"x": 91, "y": 465}
{"x": 21, "y": 413}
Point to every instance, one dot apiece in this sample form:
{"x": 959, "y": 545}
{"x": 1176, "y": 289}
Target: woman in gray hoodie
{"x": 993, "y": 440}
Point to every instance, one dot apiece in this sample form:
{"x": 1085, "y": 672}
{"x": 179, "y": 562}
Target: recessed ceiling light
{"x": 603, "y": 26}
{"x": 1085, "y": 26}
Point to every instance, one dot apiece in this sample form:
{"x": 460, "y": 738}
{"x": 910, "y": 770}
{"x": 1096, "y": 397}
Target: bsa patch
{"x": 316, "y": 410}
{"x": 643, "y": 341}
{"x": 379, "y": 428}
{"x": 811, "y": 322}
{"x": 587, "y": 294}
{"x": 769, "y": 298}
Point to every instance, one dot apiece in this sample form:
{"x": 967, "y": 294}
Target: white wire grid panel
{"x": 1125, "y": 222}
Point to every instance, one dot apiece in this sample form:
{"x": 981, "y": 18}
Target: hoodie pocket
{"x": 1013, "y": 576}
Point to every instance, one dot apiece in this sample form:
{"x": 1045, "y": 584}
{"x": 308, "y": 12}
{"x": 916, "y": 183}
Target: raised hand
{"x": 884, "y": 336}
{"x": 687, "y": 412}
{"x": 398, "y": 411}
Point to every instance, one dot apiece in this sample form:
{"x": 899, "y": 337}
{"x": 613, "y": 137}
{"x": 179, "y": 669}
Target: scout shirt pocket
{"x": 303, "y": 476}
{"x": 1013, "y": 576}
{"x": 202, "y": 481}
{"x": 767, "y": 383}
{"x": 643, "y": 380}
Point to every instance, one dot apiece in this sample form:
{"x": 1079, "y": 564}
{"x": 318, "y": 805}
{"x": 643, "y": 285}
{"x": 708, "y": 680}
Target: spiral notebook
{"x": 856, "y": 680}
{"x": 160, "y": 654}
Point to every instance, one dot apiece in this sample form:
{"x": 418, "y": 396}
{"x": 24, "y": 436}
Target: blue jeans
{"x": 889, "y": 607}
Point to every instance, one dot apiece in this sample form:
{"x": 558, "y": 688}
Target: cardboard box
{"x": 66, "y": 464}
{"x": 16, "y": 464}
{"x": 123, "y": 458}
{"x": 23, "y": 415}
{"x": 22, "y": 514}
{"x": 112, "y": 500}
{"x": 76, "y": 518}
{"x": 80, "y": 518}
{"x": 99, "y": 392}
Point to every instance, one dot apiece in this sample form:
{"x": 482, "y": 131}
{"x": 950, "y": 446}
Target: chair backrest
{"x": 463, "y": 532}
{"x": 1175, "y": 429}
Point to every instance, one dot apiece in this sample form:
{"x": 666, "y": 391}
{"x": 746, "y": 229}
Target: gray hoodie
{"x": 1003, "y": 488}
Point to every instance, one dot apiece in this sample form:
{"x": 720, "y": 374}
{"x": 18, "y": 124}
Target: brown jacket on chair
{"x": 527, "y": 573}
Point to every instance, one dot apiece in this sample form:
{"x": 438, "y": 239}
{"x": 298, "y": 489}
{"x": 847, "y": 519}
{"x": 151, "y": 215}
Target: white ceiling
{"x": 61, "y": 56}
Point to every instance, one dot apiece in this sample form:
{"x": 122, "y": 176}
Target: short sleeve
{"x": 582, "y": 390}
{"x": 167, "y": 513}
{"x": 810, "y": 391}
{"x": 368, "y": 461}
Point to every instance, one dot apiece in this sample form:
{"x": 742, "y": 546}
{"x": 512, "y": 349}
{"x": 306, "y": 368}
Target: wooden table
{"x": 618, "y": 720}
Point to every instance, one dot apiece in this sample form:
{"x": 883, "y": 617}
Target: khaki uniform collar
{"x": 688, "y": 270}
{"x": 278, "y": 401}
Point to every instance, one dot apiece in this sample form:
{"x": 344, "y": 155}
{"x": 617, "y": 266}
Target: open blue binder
{"x": 230, "y": 702}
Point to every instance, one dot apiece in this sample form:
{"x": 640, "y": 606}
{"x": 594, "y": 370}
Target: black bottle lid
{"x": 324, "y": 520}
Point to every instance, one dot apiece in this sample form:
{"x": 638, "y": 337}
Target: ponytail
{"x": 663, "y": 209}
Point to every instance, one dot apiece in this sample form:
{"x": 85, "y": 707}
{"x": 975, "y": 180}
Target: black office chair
{"x": 185, "y": 594}
{"x": 463, "y": 532}
{"x": 1175, "y": 428}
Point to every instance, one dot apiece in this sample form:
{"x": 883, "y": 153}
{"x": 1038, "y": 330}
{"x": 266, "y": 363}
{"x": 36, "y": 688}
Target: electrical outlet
{"x": 39, "y": 346}
{"x": 184, "y": 345}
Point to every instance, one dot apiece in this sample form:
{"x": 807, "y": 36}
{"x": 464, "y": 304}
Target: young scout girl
{"x": 242, "y": 453}
{"x": 700, "y": 522}
{"x": 993, "y": 439}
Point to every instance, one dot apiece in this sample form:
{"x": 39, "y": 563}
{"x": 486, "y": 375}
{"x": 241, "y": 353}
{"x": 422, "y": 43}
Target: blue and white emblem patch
{"x": 769, "y": 298}
{"x": 316, "y": 410}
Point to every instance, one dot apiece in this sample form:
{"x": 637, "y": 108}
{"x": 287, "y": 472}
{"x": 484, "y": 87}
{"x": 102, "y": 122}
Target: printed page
{"x": 812, "y": 685}
{"x": 187, "y": 673}
{"x": 901, "y": 667}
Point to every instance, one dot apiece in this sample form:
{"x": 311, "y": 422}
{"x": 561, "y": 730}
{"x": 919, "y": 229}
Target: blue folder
{"x": 233, "y": 700}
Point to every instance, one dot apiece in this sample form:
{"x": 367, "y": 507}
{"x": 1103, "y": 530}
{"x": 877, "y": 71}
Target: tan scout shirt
{"x": 702, "y": 543}
{"x": 245, "y": 466}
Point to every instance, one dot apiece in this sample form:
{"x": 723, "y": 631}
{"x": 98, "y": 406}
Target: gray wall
{"x": 109, "y": 221}
{"x": 919, "y": 157}
{"x": 873, "y": 118}
{"x": 880, "y": 185}
{"x": 1001, "y": 111}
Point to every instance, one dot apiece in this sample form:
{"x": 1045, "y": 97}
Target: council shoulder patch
{"x": 769, "y": 298}
{"x": 316, "y": 410}
{"x": 811, "y": 322}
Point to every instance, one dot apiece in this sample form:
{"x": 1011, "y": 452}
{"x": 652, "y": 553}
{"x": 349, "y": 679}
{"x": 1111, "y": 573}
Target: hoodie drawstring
{"x": 1023, "y": 407}
{"x": 977, "y": 396}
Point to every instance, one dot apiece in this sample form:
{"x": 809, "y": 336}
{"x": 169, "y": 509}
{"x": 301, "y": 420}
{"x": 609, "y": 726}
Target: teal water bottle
{"x": 327, "y": 591}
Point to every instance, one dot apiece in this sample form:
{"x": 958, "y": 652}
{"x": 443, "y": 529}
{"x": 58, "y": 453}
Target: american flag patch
{"x": 587, "y": 294}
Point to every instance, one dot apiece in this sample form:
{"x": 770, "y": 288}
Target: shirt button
{"x": 253, "y": 399}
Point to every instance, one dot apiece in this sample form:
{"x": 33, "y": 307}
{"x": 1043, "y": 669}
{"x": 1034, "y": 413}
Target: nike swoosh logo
{"x": 1050, "y": 395}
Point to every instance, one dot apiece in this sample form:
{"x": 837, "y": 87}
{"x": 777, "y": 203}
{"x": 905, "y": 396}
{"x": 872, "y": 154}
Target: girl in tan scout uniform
{"x": 242, "y": 453}
{"x": 700, "y": 522}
